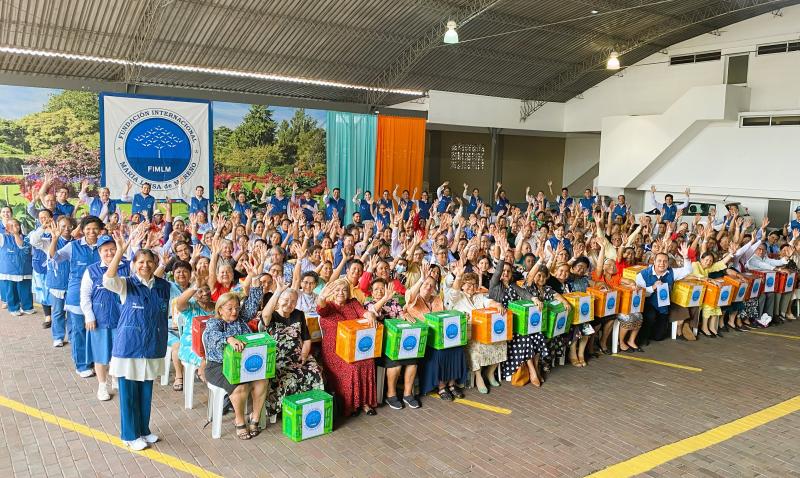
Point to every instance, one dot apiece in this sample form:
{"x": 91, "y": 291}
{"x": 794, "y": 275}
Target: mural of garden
{"x": 56, "y": 133}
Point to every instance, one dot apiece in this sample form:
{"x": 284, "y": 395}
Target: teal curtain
{"x": 351, "y": 146}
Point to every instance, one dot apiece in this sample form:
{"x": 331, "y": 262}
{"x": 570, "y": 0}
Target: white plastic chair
{"x": 216, "y": 399}
{"x": 188, "y": 385}
{"x": 615, "y": 337}
{"x": 380, "y": 382}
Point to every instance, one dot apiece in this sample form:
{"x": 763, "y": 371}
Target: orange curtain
{"x": 401, "y": 154}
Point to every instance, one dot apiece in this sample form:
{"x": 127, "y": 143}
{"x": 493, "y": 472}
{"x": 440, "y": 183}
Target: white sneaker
{"x": 86, "y": 373}
{"x": 102, "y": 392}
{"x": 16, "y": 313}
{"x": 764, "y": 320}
{"x": 58, "y": 343}
{"x": 150, "y": 439}
{"x": 136, "y": 445}
{"x": 29, "y": 312}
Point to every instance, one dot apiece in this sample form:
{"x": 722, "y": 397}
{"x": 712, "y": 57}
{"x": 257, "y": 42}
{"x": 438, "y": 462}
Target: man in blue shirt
{"x": 795, "y": 224}
{"x": 564, "y": 200}
{"x": 279, "y": 202}
{"x": 308, "y": 205}
{"x": 588, "y": 200}
{"x": 620, "y": 209}
{"x": 198, "y": 202}
{"x": 333, "y": 203}
{"x": 475, "y": 201}
{"x": 143, "y": 203}
{"x": 668, "y": 206}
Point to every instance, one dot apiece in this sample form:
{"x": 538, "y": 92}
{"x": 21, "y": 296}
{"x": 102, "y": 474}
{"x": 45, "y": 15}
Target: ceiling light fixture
{"x": 451, "y": 35}
{"x": 594, "y": 12}
{"x": 200, "y": 69}
{"x": 613, "y": 61}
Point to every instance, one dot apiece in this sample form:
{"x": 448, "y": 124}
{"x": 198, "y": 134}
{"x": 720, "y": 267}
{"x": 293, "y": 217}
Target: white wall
{"x": 581, "y": 153}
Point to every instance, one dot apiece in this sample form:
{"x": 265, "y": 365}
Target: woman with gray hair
{"x": 296, "y": 370}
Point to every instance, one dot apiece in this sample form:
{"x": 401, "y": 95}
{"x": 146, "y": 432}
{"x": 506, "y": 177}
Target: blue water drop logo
{"x": 499, "y": 326}
{"x": 253, "y": 363}
{"x": 451, "y": 331}
{"x": 562, "y": 321}
{"x": 636, "y": 301}
{"x": 611, "y": 303}
{"x": 313, "y": 419}
{"x": 724, "y": 296}
{"x": 409, "y": 343}
{"x": 535, "y": 318}
{"x": 662, "y": 294}
{"x": 695, "y": 296}
{"x": 365, "y": 344}
{"x": 741, "y": 292}
{"x": 585, "y": 309}
{"x": 770, "y": 281}
{"x": 790, "y": 282}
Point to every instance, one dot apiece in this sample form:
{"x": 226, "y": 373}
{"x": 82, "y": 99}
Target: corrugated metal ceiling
{"x": 354, "y": 41}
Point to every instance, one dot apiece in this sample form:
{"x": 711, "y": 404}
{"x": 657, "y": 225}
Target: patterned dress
{"x": 353, "y": 383}
{"x": 291, "y": 375}
{"x": 185, "y": 352}
{"x": 478, "y": 354}
{"x": 523, "y": 347}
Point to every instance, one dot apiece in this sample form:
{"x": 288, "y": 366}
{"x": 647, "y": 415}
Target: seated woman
{"x": 463, "y": 296}
{"x": 353, "y": 383}
{"x": 710, "y": 315}
{"x": 222, "y": 330}
{"x": 606, "y": 277}
{"x": 296, "y": 370}
{"x": 193, "y": 304}
{"x": 441, "y": 370}
{"x": 383, "y": 303}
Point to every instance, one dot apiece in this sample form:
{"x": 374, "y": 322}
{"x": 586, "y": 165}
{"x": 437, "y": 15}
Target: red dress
{"x": 353, "y": 383}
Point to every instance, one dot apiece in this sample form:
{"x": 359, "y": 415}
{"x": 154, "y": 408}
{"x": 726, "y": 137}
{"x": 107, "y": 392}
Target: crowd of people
{"x": 128, "y": 287}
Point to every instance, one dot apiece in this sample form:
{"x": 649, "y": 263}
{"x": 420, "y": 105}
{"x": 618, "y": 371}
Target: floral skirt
{"x": 481, "y": 355}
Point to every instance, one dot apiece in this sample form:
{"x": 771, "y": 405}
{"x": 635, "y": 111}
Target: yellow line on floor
{"x": 659, "y": 456}
{"x": 104, "y": 437}
{"x": 785, "y": 336}
{"x": 479, "y": 405}
{"x": 659, "y": 362}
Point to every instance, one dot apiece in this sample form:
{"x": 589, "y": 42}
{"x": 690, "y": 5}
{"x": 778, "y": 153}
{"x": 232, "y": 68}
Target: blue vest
{"x": 384, "y": 218}
{"x": 567, "y": 202}
{"x": 241, "y": 208}
{"x": 669, "y": 212}
{"x": 105, "y": 304}
{"x": 650, "y": 278}
{"x": 143, "y": 321}
{"x": 65, "y": 209}
{"x": 58, "y": 273}
{"x": 567, "y": 245}
{"x": 197, "y": 205}
{"x": 337, "y": 204}
{"x": 794, "y": 225}
{"x": 97, "y": 205}
{"x": 365, "y": 209}
{"x": 444, "y": 203}
{"x": 279, "y": 206}
{"x": 473, "y": 204}
{"x": 387, "y": 203}
{"x": 143, "y": 204}
{"x": 586, "y": 203}
{"x": 620, "y": 210}
{"x": 500, "y": 205}
{"x": 39, "y": 258}
{"x": 308, "y": 213}
{"x": 82, "y": 257}
{"x": 424, "y": 209}
{"x": 15, "y": 260}
{"x": 407, "y": 204}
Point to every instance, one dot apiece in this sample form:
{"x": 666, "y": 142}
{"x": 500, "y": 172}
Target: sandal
{"x": 252, "y": 427}
{"x": 445, "y": 395}
{"x": 242, "y": 433}
{"x": 457, "y": 392}
{"x": 177, "y": 385}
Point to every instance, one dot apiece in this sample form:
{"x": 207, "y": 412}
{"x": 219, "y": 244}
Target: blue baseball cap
{"x": 103, "y": 240}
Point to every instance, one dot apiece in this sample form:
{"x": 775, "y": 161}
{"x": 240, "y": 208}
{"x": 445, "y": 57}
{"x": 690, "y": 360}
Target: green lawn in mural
{"x": 56, "y": 132}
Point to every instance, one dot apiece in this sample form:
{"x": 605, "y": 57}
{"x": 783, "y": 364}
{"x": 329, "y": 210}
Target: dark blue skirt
{"x": 442, "y": 366}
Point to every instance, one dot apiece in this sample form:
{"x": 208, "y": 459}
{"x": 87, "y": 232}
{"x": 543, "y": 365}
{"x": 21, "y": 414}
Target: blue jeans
{"x": 134, "y": 408}
{"x": 77, "y": 335}
{"x": 57, "y": 315}
{"x": 17, "y": 294}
